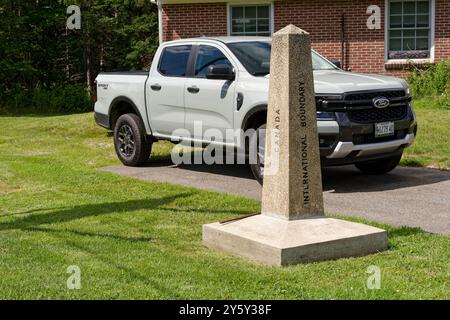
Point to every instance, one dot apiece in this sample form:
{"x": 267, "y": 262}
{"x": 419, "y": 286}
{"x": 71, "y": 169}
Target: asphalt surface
{"x": 413, "y": 197}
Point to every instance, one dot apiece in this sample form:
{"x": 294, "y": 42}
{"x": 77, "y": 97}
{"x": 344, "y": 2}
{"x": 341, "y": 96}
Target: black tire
{"x": 133, "y": 146}
{"x": 258, "y": 167}
{"x": 379, "y": 166}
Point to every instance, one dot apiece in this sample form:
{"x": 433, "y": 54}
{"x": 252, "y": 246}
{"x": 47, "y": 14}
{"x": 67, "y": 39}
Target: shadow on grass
{"x": 20, "y": 213}
{"x": 396, "y": 233}
{"x": 412, "y": 163}
{"x": 393, "y": 231}
{"x": 90, "y": 234}
{"x": 92, "y": 210}
{"x": 404, "y": 232}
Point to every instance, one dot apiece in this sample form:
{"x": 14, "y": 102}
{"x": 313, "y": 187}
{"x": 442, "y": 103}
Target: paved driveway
{"x": 414, "y": 197}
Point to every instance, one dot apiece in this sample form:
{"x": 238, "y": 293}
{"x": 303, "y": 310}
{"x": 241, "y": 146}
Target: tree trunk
{"x": 87, "y": 50}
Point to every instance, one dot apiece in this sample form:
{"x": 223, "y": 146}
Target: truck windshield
{"x": 255, "y": 57}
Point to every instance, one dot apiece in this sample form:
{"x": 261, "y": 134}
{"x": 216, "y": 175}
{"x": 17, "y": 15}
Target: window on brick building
{"x": 250, "y": 20}
{"x": 409, "y": 29}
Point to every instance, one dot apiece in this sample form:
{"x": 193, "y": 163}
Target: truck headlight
{"x": 325, "y": 115}
{"x": 408, "y": 91}
{"x": 329, "y": 100}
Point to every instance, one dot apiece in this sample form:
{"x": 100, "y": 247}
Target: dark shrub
{"x": 67, "y": 99}
{"x": 433, "y": 80}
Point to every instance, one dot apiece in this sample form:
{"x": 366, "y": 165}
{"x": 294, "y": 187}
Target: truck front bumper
{"x": 345, "y": 142}
{"x": 343, "y": 149}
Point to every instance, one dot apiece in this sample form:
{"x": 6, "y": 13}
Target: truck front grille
{"x": 374, "y": 115}
{"x": 359, "y": 105}
{"x": 374, "y": 94}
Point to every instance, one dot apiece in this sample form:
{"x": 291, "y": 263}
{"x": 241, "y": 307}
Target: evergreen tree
{"x": 37, "y": 51}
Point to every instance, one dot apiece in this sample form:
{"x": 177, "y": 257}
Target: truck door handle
{"x": 156, "y": 87}
{"x": 193, "y": 89}
{"x": 239, "y": 100}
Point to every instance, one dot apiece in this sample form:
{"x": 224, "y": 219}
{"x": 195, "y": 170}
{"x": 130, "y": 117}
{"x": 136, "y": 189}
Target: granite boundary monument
{"x": 292, "y": 227}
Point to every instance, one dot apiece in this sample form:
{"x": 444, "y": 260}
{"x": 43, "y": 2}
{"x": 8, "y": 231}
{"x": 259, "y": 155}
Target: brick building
{"x": 378, "y": 36}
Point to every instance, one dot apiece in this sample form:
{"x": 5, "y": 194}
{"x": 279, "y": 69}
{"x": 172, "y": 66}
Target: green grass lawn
{"x": 432, "y": 145}
{"x": 133, "y": 239}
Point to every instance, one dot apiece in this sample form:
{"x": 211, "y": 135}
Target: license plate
{"x": 384, "y": 129}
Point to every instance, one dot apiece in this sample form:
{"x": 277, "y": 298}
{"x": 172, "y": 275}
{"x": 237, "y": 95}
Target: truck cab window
{"x": 208, "y": 56}
{"x": 174, "y": 61}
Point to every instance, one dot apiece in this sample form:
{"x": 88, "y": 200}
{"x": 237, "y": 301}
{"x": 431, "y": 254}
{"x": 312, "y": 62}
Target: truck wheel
{"x": 133, "y": 146}
{"x": 379, "y": 166}
{"x": 258, "y": 140}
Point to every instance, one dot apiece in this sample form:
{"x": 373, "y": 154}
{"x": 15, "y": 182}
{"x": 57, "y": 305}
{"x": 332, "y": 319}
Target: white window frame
{"x": 386, "y": 36}
{"x": 251, "y": 3}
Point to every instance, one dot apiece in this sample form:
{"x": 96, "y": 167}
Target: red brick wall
{"x": 194, "y": 20}
{"x": 442, "y": 30}
{"x": 364, "y": 48}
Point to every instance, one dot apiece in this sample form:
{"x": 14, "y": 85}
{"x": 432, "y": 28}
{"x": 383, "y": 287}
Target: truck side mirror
{"x": 221, "y": 72}
{"x": 337, "y": 63}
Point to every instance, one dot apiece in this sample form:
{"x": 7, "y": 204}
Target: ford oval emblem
{"x": 381, "y": 102}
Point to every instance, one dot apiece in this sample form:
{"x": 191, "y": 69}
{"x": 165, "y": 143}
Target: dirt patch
{"x": 6, "y": 189}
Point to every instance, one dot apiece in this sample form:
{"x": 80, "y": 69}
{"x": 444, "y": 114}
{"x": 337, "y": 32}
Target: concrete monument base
{"x": 278, "y": 242}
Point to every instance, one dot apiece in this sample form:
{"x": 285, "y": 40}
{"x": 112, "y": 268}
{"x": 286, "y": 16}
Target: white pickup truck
{"x": 223, "y": 83}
